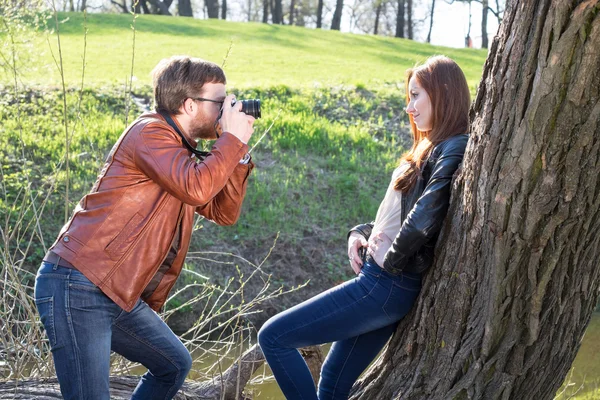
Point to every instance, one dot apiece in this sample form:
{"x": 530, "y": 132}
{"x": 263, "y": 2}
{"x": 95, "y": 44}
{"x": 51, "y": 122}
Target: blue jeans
{"x": 83, "y": 325}
{"x": 359, "y": 316}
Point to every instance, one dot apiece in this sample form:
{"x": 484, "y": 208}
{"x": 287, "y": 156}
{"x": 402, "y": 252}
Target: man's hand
{"x": 234, "y": 121}
{"x": 355, "y": 242}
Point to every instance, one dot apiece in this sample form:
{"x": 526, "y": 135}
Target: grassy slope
{"x": 262, "y": 55}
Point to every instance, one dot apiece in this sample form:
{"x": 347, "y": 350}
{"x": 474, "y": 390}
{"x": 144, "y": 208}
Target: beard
{"x": 202, "y": 128}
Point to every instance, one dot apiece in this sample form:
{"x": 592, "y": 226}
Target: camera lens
{"x": 251, "y": 107}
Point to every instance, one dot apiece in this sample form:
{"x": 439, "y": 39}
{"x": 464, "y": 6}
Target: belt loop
{"x": 55, "y": 267}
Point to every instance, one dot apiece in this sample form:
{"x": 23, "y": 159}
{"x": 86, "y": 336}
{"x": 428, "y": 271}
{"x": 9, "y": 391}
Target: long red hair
{"x": 448, "y": 91}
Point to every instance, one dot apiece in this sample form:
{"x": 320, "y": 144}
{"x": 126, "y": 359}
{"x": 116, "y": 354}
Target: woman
{"x": 360, "y": 315}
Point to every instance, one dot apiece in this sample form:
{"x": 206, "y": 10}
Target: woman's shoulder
{"x": 453, "y": 144}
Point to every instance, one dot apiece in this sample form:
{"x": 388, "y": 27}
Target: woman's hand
{"x": 379, "y": 244}
{"x": 355, "y": 242}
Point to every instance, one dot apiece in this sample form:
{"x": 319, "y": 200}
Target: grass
{"x": 583, "y": 382}
{"x": 262, "y": 55}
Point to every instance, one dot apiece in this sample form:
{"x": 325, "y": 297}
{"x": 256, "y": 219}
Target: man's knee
{"x": 186, "y": 364}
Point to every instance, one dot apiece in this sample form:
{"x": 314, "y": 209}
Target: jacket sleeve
{"x": 161, "y": 156}
{"x": 364, "y": 229}
{"x": 225, "y": 207}
{"x": 426, "y": 217}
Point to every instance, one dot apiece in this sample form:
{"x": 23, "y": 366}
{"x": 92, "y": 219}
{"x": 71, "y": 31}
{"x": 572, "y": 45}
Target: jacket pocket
{"x": 119, "y": 244}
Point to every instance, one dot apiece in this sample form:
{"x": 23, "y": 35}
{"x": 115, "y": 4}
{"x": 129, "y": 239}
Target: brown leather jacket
{"x": 132, "y": 231}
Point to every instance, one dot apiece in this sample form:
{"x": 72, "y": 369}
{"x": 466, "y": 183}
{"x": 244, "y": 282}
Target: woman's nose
{"x": 409, "y": 108}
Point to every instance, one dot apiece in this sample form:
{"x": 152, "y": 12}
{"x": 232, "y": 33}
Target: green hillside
{"x": 262, "y": 55}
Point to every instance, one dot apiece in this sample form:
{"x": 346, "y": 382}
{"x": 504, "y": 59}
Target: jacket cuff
{"x": 364, "y": 229}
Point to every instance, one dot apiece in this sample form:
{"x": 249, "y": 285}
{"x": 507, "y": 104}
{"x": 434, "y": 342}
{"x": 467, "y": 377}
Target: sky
{"x": 451, "y": 23}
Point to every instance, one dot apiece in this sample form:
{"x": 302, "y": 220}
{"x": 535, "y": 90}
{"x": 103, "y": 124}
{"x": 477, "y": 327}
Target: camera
{"x": 249, "y": 107}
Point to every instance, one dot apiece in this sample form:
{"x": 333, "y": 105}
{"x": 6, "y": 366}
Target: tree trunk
{"x": 277, "y": 12}
{"x": 502, "y": 312}
{"x": 409, "y": 23}
{"x": 212, "y": 8}
{"x": 223, "y": 387}
{"x": 185, "y": 8}
{"x": 161, "y": 7}
{"x": 337, "y": 15}
{"x": 265, "y": 11}
{"x": 319, "y": 14}
{"x": 484, "y": 14}
{"x": 144, "y": 6}
{"x": 400, "y": 19}
{"x": 377, "y": 14}
{"x": 223, "y": 9}
{"x": 292, "y": 11}
{"x": 431, "y": 21}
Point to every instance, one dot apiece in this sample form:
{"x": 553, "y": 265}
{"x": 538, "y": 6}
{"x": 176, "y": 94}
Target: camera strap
{"x": 199, "y": 154}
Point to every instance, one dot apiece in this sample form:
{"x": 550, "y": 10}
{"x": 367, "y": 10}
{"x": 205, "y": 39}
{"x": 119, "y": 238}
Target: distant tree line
{"x": 378, "y": 17}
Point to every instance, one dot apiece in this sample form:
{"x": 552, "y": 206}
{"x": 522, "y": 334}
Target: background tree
{"x": 378, "y": 8}
{"x": 265, "y": 18}
{"x": 212, "y": 8}
{"x": 430, "y": 21}
{"x": 223, "y": 9}
{"x": 516, "y": 278}
{"x": 484, "y": 15}
{"x": 277, "y": 8}
{"x": 319, "y": 14}
{"x": 292, "y": 11}
{"x": 409, "y": 20}
{"x": 185, "y": 8}
{"x": 400, "y": 19}
{"x": 337, "y": 15}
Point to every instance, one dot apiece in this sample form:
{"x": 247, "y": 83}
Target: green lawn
{"x": 262, "y": 55}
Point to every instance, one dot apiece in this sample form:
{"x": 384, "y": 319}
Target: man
{"x": 121, "y": 252}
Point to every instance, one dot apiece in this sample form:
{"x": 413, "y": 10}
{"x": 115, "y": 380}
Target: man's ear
{"x": 189, "y": 107}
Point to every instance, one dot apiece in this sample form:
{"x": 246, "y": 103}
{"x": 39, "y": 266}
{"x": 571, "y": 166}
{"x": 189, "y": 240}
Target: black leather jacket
{"x": 423, "y": 211}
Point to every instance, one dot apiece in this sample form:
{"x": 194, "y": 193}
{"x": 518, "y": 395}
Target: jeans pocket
{"x": 45, "y": 306}
{"x": 399, "y": 301}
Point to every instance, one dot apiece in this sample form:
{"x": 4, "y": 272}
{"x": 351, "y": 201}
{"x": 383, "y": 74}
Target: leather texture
{"x": 424, "y": 210}
{"x": 137, "y": 221}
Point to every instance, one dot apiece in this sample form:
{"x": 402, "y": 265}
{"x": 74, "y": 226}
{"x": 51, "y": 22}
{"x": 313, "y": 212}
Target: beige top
{"x": 388, "y": 216}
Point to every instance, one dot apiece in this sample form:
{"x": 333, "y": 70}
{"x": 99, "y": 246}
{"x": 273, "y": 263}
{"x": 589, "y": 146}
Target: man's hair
{"x": 178, "y": 78}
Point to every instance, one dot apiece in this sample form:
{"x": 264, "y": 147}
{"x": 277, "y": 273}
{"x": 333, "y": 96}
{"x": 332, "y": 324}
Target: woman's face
{"x": 419, "y": 105}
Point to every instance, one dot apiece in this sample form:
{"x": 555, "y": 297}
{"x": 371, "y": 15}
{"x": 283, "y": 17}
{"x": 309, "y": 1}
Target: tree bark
{"x": 161, "y": 7}
{"x": 223, "y": 9}
{"x": 377, "y": 14}
{"x": 277, "y": 12}
{"x": 223, "y": 387}
{"x": 431, "y": 21}
{"x": 400, "y": 19}
{"x": 337, "y": 15}
{"x": 409, "y": 23}
{"x": 185, "y": 8}
{"x": 212, "y": 8}
{"x": 292, "y": 11}
{"x": 319, "y": 14}
{"x": 265, "y": 11}
{"x": 502, "y": 312}
{"x": 484, "y": 15}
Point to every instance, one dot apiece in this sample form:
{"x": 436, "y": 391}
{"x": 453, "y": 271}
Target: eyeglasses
{"x": 211, "y": 100}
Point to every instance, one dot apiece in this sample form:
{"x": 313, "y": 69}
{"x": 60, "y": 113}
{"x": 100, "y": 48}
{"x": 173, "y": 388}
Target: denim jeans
{"x": 359, "y": 316}
{"x": 83, "y": 325}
